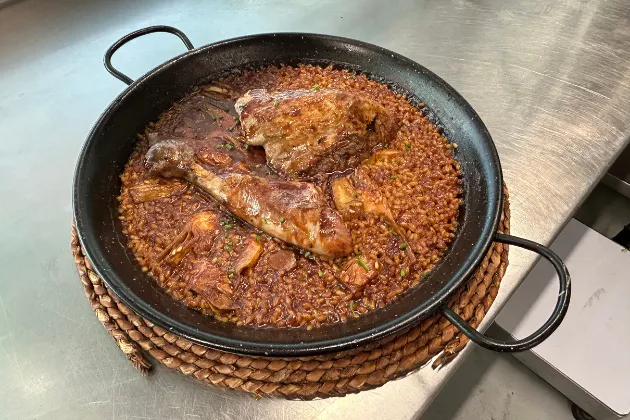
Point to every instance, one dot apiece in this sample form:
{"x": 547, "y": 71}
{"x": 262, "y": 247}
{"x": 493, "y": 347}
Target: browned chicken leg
{"x": 306, "y": 132}
{"x": 295, "y": 212}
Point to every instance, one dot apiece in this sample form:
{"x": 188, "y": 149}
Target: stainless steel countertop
{"x": 550, "y": 80}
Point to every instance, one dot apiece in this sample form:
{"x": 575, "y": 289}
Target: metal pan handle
{"x": 122, "y": 41}
{"x": 548, "y": 327}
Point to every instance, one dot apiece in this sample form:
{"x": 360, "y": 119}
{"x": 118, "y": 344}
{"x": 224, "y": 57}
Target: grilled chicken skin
{"x": 307, "y": 132}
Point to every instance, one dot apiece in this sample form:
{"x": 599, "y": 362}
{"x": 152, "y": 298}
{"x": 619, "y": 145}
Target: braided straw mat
{"x": 305, "y": 377}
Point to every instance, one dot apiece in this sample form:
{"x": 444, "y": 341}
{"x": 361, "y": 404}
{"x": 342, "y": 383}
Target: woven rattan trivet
{"x": 301, "y": 378}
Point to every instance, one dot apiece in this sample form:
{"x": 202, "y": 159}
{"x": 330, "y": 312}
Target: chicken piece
{"x": 295, "y": 212}
{"x": 212, "y": 284}
{"x": 382, "y": 155}
{"x": 355, "y": 276}
{"x": 199, "y": 233}
{"x": 306, "y": 132}
{"x": 249, "y": 255}
{"x": 218, "y": 92}
{"x": 152, "y": 191}
{"x": 281, "y": 261}
{"x": 357, "y": 194}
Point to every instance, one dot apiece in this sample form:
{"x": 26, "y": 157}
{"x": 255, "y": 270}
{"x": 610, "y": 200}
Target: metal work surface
{"x": 551, "y": 82}
{"x": 599, "y": 312}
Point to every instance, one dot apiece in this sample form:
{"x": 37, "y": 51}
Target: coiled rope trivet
{"x": 301, "y": 378}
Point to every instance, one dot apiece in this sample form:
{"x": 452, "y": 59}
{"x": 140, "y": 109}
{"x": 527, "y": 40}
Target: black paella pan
{"x": 111, "y": 142}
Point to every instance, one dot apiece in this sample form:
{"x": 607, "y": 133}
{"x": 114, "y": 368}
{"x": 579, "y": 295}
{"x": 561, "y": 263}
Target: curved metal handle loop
{"x": 122, "y": 41}
{"x": 540, "y": 335}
